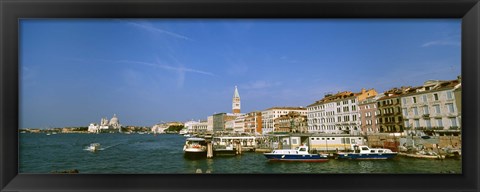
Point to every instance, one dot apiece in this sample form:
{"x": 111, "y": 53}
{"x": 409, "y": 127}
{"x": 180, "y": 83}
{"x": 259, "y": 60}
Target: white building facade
{"x": 432, "y": 107}
{"x": 337, "y": 114}
{"x": 269, "y": 116}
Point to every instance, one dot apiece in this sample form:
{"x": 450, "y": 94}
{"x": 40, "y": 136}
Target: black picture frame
{"x": 11, "y": 11}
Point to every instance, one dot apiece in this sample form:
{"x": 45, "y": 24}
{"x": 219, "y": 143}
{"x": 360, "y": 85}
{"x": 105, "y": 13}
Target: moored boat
{"x": 364, "y": 152}
{"x": 298, "y": 154}
{"x": 423, "y": 156}
{"x": 195, "y": 147}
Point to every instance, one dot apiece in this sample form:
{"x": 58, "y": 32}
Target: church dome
{"x": 114, "y": 120}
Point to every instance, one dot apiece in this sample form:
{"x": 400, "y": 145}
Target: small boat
{"x": 187, "y": 135}
{"x": 423, "y": 156}
{"x": 93, "y": 147}
{"x": 297, "y": 154}
{"x": 195, "y": 148}
{"x": 364, "y": 152}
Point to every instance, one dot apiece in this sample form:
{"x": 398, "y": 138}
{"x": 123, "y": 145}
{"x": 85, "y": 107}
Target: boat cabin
{"x": 297, "y": 150}
{"x": 366, "y": 149}
{"x": 195, "y": 141}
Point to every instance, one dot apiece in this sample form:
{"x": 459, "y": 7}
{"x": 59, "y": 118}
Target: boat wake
{"x": 110, "y": 146}
{"x": 89, "y": 148}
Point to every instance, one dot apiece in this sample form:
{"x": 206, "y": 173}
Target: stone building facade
{"x": 389, "y": 113}
{"x": 269, "y": 116}
{"x": 432, "y": 107}
{"x": 293, "y": 122}
{"x": 338, "y": 113}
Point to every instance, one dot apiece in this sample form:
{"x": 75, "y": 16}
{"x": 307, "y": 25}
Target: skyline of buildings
{"x": 432, "y": 107}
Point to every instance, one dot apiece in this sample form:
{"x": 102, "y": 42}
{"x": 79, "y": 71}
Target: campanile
{"x": 236, "y": 102}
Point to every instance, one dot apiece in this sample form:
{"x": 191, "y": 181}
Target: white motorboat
{"x": 195, "y": 147}
{"x": 93, "y": 147}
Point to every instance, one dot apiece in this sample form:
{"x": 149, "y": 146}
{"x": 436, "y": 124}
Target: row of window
{"x": 319, "y": 107}
{"x": 435, "y": 97}
{"x": 426, "y": 110}
{"x": 428, "y": 122}
{"x": 319, "y": 114}
{"x": 323, "y": 127}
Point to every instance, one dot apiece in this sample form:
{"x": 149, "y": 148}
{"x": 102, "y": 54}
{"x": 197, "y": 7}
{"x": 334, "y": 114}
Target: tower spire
{"x": 236, "y": 102}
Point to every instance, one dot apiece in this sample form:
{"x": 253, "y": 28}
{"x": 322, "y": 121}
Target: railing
{"x": 454, "y": 128}
{"x": 437, "y": 128}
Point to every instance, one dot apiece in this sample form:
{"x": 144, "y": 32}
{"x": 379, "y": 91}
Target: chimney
{"x": 363, "y": 90}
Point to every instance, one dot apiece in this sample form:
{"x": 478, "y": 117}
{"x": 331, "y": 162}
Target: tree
{"x": 175, "y": 128}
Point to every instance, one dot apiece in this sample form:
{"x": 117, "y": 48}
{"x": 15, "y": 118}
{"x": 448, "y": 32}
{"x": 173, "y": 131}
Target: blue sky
{"x": 76, "y": 71}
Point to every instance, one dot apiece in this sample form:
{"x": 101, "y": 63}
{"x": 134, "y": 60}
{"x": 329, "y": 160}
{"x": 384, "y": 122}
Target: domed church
{"x": 106, "y": 126}
{"x": 114, "y": 122}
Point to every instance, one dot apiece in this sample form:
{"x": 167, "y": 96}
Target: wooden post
{"x": 239, "y": 148}
{"x": 209, "y": 150}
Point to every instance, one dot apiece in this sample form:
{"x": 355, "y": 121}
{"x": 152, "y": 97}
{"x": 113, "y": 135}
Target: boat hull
{"x": 366, "y": 156}
{"x": 195, "y": 155}
{"x": 295, "y": 157}
{"x": 224, "y": 152}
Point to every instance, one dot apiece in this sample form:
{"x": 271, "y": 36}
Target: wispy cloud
{"x": 149, "y": 27}
{"x": 181, "y": 70}
{"x": 167, "y": 67}
{"x": 260, "y": 84}
{"x": 441, "y": 42}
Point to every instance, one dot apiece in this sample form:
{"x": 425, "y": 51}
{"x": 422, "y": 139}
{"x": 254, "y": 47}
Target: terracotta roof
{"x": 291, "y": 108}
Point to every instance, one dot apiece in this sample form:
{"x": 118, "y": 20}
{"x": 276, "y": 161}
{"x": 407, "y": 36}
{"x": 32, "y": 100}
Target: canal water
{"x": 146, "y": 153}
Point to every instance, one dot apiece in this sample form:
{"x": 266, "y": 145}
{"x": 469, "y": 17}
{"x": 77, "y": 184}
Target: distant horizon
{"x": 75, "y": 72}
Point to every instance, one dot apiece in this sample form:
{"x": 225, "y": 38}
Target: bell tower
{"x": 236, "y": 102}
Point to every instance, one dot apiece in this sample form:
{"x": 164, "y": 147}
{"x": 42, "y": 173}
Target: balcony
{"x": 454, "y": 128}
{"x": 425, "y": 116}
{"x": 437, "y": 128}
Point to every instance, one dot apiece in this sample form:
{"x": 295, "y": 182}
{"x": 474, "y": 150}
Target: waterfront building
{"x": 236, "y": 102}
{"x": 159, "y": 128}
{"x": 106, "y": 126}
{"x": 239, "y": 124}
{"x": 457, "y": 92}
{"x": 189, "y": 126}
{"x": 433, "y": 108}
{"x": 368, "y": 114}
{"x": 347, "y": 113}
{"x": 337, "y": 114}
{"x": 114, "y": 122}
{"x": 200, "y": 126}
{"x": 220, "y": 120}
{"x": 321, "y": 115}
{"x": 253, "y": 122}
{"x": 292, "y": 122}
{"x": 230, "y": 126}
{"x": 210, "y": 123}
{"x": 269, "y": 116}
{"x": 389, "y": 113}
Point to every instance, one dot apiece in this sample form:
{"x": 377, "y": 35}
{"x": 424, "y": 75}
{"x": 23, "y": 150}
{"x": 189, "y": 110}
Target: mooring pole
{"x": 209, "y": 150}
